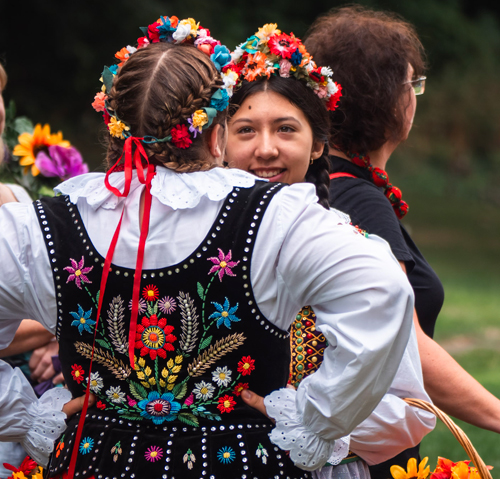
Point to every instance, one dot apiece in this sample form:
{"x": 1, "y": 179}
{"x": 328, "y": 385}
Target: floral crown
{"x": 270, "y": 52}
{"x": 170, "y": 30}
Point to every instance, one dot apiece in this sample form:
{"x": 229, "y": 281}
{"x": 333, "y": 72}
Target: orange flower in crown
{"x": 271, "y": 52}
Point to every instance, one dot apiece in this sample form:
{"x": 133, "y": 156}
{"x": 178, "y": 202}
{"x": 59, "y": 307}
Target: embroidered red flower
{"x": 283, "y": 45}
{"x": 239, "y": 388}
{"x": 150, "y": 293}
{"x": 246, "y": 365}
{"x": 226, "y": 403}
{"x": 101, "y": 405}
{"x": 180, "y": 136}
{"x": 78, "y": 373}
{"x": 154, "y": 337}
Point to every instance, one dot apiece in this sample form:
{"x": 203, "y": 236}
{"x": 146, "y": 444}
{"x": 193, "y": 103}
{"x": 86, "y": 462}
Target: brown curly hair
{"x": 369, "y": 53}
{"x": 159, "y": 87}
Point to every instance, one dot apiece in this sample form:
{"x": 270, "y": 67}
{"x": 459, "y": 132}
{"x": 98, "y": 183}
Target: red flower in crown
{"x": 283, "y": 45}
{"x": 180, "y": 136}
{"x": 334, "y": 99}
{"x": 153, "y": 337}
{"x": 153, "y": 33}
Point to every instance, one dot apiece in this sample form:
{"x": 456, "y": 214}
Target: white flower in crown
{"x": 326, "y": 71}
{"x": 229, "y": 79}
{"x": 183, "y": 30}
{"x": 332, "y": 87}
{"x": 131, "y": 49}
{"x": 237, "y": 53}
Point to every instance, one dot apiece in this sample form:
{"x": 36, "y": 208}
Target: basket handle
{"x": 457, "y": 432}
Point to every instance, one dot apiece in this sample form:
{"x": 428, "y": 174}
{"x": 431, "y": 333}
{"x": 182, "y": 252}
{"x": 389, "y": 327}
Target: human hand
{"x": 255, "y": 401}
{"x": 40, "y": 364}
{"x": 76, "y": 405}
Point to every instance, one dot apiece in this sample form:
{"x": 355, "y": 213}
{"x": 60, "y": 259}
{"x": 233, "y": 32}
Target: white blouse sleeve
{"x": 394, "y": 425}
{"x": 363, "y": 304}
{"x": 35, "y": 423}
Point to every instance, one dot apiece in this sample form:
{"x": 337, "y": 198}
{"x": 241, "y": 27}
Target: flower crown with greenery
{"x": 270, "y": 52}
{"x": 171, "y": 30}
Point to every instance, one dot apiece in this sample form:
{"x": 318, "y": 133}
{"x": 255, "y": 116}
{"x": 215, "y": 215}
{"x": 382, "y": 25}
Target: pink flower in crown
{"x": 78, "y": 272}
{"x": 285, "y": 66}
{"x": 223, "y": 264}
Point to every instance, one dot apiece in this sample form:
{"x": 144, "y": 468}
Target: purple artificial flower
{"x": 61, "y": 162}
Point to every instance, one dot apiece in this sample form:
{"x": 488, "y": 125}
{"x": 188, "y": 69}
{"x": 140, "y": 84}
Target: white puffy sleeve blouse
{"x": 303, "y": 254}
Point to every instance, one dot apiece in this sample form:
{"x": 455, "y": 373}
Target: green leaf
{"x": 205, "y": 343}
{"x": 188, "y": 419}
{"x": 179, "y": 390}
{"x": 201, "y": 290}
{"x": 102, "y": 343}
{"x": 138, "y": 391}
{"x": 131, "y": 418}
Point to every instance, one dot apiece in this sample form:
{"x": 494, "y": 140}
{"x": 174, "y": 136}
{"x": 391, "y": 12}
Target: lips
{"x": 261, "y": 173}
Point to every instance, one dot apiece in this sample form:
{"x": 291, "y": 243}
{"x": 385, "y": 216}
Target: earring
{"x": 311, "y": 162}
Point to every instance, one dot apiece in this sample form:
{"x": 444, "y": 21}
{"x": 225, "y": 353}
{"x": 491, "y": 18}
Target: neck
{"x": 380, "y": 157}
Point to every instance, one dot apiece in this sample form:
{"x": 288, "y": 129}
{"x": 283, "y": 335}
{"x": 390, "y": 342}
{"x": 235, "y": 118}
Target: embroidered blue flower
{"x": 221, "y": 56}
{"x": 224, "y": 314}
{"x": 86, "y": 445}
{"x": 226, "y": 455}
{"x": 219, "y": 100}
{"x": 159, "y": 408}
{"x": 82, "y": 320}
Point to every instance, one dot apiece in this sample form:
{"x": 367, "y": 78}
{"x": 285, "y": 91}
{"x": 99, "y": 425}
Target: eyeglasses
{"x": 418, "y": 85}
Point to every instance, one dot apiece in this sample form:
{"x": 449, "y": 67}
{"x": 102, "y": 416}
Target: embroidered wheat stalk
{"x": 214, "y": 353}
{"x": 117, "y": 367}
{"x": 116, "y": 325}
{"x": 190, "y": 325}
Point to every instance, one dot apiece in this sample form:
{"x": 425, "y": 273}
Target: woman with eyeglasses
{"x": 379, "y": 61}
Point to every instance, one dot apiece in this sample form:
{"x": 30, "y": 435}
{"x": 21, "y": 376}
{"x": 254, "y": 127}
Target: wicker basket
{"x": 457, "y": 432}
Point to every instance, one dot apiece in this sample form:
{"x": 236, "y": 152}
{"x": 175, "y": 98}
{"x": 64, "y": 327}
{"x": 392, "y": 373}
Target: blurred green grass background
{"x": 460, "y": 237}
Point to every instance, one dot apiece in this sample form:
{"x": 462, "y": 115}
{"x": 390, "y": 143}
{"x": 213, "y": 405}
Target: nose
{"x": 267, "y": 148}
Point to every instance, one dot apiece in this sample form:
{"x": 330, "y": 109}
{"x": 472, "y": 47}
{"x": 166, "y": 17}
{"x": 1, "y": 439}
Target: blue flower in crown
{"x": 82, "y": 320}
{"x": 166, "y": 29}
{"x": 296, "y": 57}
{"x": 251, "y": 44}
{"x": 224, "y": 314}
{"x": 220, "y": 100}
{"x": 221, "y": 56}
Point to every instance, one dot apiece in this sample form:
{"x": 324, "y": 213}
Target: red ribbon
{"x": 145, "y": 174}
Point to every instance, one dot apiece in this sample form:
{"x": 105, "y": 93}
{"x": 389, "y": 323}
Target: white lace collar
{"x": 177, "y": 190}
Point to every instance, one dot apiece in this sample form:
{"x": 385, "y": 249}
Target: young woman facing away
{"x": 180, "y": 324}
{"x": 280, "y": 132}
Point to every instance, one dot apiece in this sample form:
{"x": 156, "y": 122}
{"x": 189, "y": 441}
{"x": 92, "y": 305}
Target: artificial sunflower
{"x": 30, "y": 144}
{"x": 398, "y": 472}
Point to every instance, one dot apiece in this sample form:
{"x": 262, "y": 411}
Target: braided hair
{"x": 158, "y": 88}
{"x": 313, "y": 108}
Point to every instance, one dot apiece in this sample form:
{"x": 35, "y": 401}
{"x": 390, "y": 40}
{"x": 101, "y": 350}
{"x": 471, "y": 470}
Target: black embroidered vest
{"x": 200, "y": 341}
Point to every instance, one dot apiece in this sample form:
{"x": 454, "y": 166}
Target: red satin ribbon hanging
{"x": 145, "y": 174}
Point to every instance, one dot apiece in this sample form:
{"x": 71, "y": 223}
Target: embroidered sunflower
{"x": 154, "y": 337}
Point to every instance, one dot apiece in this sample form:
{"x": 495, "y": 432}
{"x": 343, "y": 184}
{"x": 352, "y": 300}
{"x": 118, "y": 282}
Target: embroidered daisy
{"x": 86, "y": 445}
{"x": 203, "y": 390}
{"x": 246, "y": 365}
{"x": 77, "y": 272}
{"x": 226, "y": 403}
{"x": 115, "y": 394}
{"x": 150, "y": 293}
{"x": 153, "y": 453}
{"x": 225, "y": 314}
{"x": 167, "y": 305}
{"x": 223, "y": 264}
{"x": 78, "y": 373}
{"x": 226, "y": 455}
{"x": 82, "y": 320}
{"x": 96, "y": 382}
{"x": 221, "y": 376}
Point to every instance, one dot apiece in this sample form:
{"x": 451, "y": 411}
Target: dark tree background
{"x": 54, "y": 52}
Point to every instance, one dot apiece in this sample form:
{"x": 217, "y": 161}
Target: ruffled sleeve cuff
{"x": 307, "y": 450}
{"x": 47, "y": 423}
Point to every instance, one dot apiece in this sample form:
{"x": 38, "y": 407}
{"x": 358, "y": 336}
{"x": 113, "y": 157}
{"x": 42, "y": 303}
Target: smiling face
{"x": 271, "y": 138}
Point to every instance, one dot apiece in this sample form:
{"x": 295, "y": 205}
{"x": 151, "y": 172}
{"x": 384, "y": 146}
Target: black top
{"x": 200, "y": 340}
{"x": 369, "y": 209}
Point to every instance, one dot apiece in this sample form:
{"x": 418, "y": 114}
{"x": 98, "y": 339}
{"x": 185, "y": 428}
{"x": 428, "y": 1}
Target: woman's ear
{"x": 217, "y": 142}
{"x": 317, "y": 149}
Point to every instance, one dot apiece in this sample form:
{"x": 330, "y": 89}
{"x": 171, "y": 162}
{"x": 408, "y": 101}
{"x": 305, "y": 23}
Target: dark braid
{"x": 158, "y": 88}
{"x": 319, "y": 175}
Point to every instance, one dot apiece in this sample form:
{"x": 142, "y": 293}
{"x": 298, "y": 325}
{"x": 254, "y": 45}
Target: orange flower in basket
{"x": 423, "y": 472}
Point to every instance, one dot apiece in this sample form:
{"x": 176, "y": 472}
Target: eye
{"x": 286, "y": 129}
{"x": 245, "y": 130}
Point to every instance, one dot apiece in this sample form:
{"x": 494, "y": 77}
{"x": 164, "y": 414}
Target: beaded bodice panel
{"x": 200, "y": 341}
